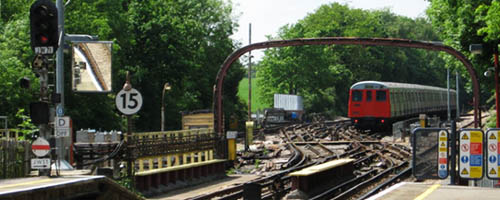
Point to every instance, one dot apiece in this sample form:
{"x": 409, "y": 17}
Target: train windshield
{"x": 357, "y": 95}
{"x": 368, "y": 95}
{"x": 381, "y": 95}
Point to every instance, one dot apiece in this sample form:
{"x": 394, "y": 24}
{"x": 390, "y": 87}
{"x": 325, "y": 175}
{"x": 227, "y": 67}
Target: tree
{"x": 324, "y": 74}
{"x": 183, "y": 43}
{"x": 15, "y": 59}
{"x": 461, "y": 23}
{"x": 180, "y": 42}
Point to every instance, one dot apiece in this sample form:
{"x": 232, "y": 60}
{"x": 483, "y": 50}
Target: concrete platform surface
{"x": 190, "y": 192}
{"x": 436, "y": 191}
{"x": 27, "y": 184}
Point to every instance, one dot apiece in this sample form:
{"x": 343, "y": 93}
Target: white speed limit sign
{"x": 129, "y": 102}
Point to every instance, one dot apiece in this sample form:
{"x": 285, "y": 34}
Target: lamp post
{"x": 165, "y": 87}
{"x": 477, "y": 49}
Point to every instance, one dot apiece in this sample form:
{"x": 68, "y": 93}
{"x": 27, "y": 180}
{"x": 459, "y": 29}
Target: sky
{"x": 267, "y": 16}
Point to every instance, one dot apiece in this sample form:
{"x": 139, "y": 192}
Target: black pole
{"x": 453, "y": 156}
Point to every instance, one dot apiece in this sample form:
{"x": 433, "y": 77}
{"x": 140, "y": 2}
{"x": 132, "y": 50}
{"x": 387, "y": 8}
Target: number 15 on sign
{"x": 129, "y": 102}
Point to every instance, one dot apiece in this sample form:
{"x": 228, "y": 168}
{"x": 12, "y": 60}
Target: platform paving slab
{"x": 436, "y": 191}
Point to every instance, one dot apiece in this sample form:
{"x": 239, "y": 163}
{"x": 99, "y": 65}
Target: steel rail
{"x": 369, "y": 181}
{"x": 406, "y": 172}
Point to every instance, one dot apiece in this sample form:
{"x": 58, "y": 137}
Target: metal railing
{"x": 161, "y": 150}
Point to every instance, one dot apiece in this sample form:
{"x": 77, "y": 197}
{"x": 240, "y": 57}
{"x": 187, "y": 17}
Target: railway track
{"x": 377, "y": 164}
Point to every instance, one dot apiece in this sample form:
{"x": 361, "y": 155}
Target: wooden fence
{"x": 14, "y": 158}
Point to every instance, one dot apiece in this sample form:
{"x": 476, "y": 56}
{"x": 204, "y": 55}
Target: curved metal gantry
{"x": 395, "y": 42}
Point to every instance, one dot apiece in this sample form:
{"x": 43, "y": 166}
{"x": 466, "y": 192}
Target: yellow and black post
{"x": 231, "y": 144}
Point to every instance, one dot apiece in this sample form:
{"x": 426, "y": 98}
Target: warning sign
{"x": 443, "y": 154}
{"x": 471, "y": 154}
{"x": 476, "y": 148}
{"x": 464, "y": 147}
{"x": 430, "y": 148}
{"x": 492, "y": 147}
{"x": 492, "y": 154}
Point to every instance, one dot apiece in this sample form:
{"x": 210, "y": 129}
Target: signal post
{"x": 44, "y": 42}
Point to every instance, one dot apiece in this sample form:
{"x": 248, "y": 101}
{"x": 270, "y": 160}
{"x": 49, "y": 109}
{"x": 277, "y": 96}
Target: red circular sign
{"x": 464, "y": 147}
{"x": 492, "y": 147}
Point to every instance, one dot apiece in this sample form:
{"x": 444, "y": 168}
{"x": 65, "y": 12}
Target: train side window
{"x": 368, "y": 95}
{"x": 381, "y": 95}
{"x": 357, "y": 95}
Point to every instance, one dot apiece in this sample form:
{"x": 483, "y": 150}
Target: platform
{"x": 64, "y": 187}
{"x": 191, "y": 192}
{"x": 435, "y": 191}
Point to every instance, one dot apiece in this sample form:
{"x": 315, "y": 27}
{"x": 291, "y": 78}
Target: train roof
{"x": 391, "y": 85}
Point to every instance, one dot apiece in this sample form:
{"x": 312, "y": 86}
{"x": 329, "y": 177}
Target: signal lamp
{"x": 44, "y": 27}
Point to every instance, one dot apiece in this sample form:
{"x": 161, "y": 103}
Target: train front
{"x": 369, "y": 105}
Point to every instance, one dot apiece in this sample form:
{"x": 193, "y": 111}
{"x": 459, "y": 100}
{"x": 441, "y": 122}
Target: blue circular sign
{"x": 60, "y": 110}
{"x": 464, "y": 159}
{"x": 492, "y": 159}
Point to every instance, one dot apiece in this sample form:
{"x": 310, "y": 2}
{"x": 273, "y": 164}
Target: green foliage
{"x": 256, "y": 100}
{"x": 231, "y": 171}
{"x": 324, "y": 74}
{"x": 126, "y": 182}
{"x": 180, "y": 42}
{"x": 25, "y": 127}
{"x": 15, "y": 56}
{"x": 492, "y": 121}
{"x": 461, "y": 23}
{"x": 257, "y": 163}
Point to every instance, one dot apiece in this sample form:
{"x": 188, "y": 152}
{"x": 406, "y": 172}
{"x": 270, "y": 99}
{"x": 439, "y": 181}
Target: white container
{"x": 288, "y": 102}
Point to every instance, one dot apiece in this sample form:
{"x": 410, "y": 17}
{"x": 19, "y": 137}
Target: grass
{"x": 243, "y": 94}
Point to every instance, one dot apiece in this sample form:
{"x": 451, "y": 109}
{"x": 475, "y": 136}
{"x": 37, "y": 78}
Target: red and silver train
{"x": 374, "y": 104}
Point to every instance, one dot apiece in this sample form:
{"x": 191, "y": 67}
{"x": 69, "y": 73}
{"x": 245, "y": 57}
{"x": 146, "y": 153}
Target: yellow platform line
{"x": 25, "y": 183}
{"x": 427, "y": 192}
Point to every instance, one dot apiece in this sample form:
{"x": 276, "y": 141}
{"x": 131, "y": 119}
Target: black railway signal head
{"x": 24, "y": 82}
{"x": 44, "y": 27}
